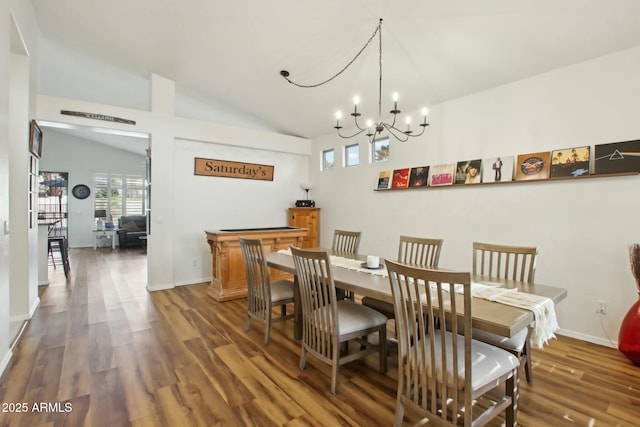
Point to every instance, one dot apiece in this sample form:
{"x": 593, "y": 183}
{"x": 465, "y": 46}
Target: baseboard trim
{"x": 5, "y": 361}
{"x": 588, "y": 338}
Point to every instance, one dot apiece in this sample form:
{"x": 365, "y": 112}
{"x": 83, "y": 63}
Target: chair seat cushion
{"x": 488, "y": 363}
{"x": 353, "y": 317}
{"x": 281, "y": 290}
{"x": 515, "y": 343}
{"x": 379, "y": 305}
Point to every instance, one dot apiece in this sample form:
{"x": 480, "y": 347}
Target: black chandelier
{"x": 372, "y": 128}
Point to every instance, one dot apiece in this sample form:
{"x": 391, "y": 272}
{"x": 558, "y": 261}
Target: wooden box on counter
{"x": 228, "y": 276}
{"x": 308, "y": 218}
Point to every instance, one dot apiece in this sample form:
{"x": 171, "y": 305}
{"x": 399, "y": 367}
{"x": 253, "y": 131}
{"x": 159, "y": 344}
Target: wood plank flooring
{"x": 102, "y": 351}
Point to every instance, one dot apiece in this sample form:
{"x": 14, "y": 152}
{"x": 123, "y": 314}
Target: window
{"x": 380, "y": 150}
{"x": 328, "y": 159}
{"x": 119, "y": 194}
{"x": 352, "y": 155}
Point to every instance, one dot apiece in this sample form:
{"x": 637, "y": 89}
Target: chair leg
{"x": 511, "y": 390}
{"x": 335, "y": 364}
{"x": 528, "y": 370}
{"x": 303, "y": 357}
{"x": 399, "y": 413}
{"x": 267, "y": 330}
{"x": 382, "y": 337}
{"x": 247, "y": 322}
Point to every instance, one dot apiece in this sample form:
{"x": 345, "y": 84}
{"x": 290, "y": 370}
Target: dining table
{"x": 498, "y": 318}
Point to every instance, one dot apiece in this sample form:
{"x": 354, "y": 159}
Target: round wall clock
{"x": 81, "y": 191}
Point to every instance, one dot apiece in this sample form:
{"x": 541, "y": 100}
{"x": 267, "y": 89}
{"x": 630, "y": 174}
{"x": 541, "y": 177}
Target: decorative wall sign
{"x": 223, "y": 168}
{"x": 97, "y": 117}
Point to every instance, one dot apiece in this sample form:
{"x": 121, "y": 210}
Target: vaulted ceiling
{"x": 231, "y": 52}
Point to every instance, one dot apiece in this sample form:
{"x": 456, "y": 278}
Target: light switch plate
{"x": 6, "y": 227}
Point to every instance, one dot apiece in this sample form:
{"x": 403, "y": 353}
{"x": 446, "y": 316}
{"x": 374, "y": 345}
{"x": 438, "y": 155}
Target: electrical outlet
{"x": 602, "y": 307}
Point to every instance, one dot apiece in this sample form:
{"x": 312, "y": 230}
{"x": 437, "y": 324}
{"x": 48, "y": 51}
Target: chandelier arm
{"x": 285, "y": 73}
{"x": 349, "y": 136}
{"x": 392, "y": 131}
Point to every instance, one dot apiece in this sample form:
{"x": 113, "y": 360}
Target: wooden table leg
{"x": 297, "y": 310}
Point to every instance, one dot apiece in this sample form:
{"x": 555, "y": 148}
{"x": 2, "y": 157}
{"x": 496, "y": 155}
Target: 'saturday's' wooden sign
{"x": 211, "y": 167}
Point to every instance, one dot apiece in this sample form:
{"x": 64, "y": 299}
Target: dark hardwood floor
{"x": 102, "y": 351}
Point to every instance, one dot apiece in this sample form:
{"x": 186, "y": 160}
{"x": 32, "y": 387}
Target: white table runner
{"x": 543, "y": 308}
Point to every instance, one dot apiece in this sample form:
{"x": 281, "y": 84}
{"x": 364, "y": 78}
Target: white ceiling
{"x": 232, "y": 51}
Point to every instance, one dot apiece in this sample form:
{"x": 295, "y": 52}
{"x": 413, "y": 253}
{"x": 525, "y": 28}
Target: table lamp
{"x": 306, "y": 203}
{"x": 99, "y": 214}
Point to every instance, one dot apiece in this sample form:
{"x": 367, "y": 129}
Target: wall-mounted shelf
{"x": 578, "y": 178}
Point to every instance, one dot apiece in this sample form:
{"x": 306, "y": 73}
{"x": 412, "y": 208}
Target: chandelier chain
{"x": 377, "y": 31}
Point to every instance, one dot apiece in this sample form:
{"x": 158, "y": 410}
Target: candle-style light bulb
{"x": 356, "y": 101}
{"x": 408, "y": 120}
{"x": 424, "y": 114}
{"x": 338, "y": 117}
{"x": 395, "y": 100}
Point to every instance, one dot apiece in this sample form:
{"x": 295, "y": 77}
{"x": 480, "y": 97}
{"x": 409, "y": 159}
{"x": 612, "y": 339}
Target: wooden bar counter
{"x": 228, "y": 277}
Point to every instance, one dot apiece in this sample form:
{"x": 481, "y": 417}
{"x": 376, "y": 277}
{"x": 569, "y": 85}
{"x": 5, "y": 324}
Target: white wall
{"x": 5, "y": 24}
{"x": 213, "y": 203}
{"x": 582, "y": 228}
{"x": 82, "y": 159}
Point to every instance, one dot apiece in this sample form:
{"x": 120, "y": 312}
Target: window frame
{"x": 325, "y": 165}
{"x": 374, "y": 159}
{"x": 347, "y": 163}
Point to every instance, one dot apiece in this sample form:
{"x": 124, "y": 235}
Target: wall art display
{"x": 469, "y": 172}
{"x": 35, "y": 139}
{"x": 497, "y": 169}
{"x": 533, "y": 166}
{"x": 617, "y": 157}
{"x": 400, "y": 178}
{"x": 441, "y": 174}
{"x": 384, "y": 180}
{"x": 570, "y": 162}
{"x": 419, "y": 177}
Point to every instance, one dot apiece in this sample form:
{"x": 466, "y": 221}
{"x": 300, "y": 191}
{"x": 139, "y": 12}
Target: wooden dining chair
{"x": 513, "y": 263}
{"x": 445, "y": 375}
{"x": 417, "y": 251}
{"x": 327, "y": 322}
{"x": 262, "y": 294}
{"x": 346, "y": 241}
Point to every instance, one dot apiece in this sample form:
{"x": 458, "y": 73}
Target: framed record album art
{"x": 384, "y": 180}
{"x": 400, "y": 178}
{"x": 533, "y": 166}
{"x": 419, "y": 177}
{"x": 617, "y": 157}
{"x": 570, "y": 162}
{"x": 441, "y": 174}
{"x": 497, "y": 169}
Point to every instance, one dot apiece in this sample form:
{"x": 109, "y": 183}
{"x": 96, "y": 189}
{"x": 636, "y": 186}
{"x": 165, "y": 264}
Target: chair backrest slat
{"x": 318, "y": 301}
{"x": 419, "y": 251}
{"x": 346, "y": 241}
{"x": 429, "y": 359}
{"x": 258, "y": 285}
{"x": 505, "y": 262}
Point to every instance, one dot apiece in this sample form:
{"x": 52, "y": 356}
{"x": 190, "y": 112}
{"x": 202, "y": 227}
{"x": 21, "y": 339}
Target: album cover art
{"x": 400, "y": 178}
{"x": 497, "y": 169}
{"x": 441, "y": 174}
{"x": 384, "y": 180}
{"x": 617, "y": 157}
{"x": 469, "y": 172}
{"x": 570, "y": 162}
{"x": 419, "y": 177}
{"x": 533, "y": 166}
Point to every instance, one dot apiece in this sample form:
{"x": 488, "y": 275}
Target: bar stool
{"x": 60, "y": 243}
